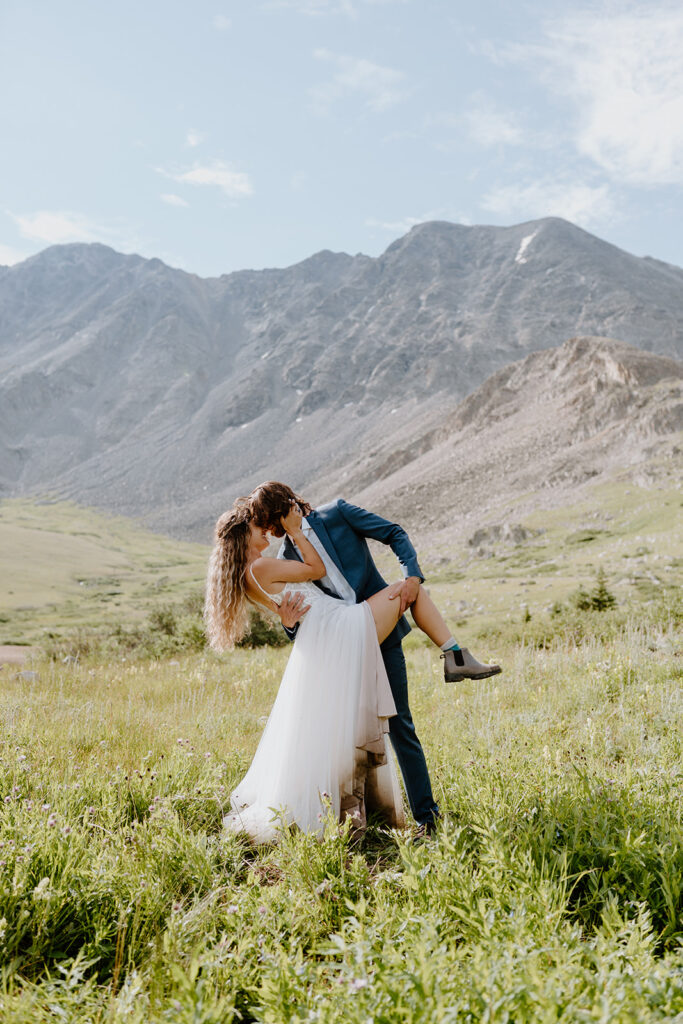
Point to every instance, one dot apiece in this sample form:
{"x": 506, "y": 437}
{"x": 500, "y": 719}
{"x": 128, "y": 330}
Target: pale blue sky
{"x": 225, "y": 135}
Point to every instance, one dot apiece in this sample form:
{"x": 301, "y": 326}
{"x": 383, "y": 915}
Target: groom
{"x": 338, "y": 532}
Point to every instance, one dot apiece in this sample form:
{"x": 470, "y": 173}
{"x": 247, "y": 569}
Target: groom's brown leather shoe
{"x": 461, "y": 665}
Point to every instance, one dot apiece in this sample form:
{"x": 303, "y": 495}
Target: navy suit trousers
{"x": 407, "y": 746}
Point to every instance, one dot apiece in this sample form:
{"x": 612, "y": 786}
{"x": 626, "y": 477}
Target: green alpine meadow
{"x": 551, "y": 891}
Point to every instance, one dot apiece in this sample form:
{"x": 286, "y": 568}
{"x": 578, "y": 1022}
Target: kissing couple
{"x": 345, "y": 685}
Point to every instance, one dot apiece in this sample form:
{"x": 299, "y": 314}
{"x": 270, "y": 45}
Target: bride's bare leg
{"x": 428, "y": 617}
{"x": 459, "y": 663}
{"x": 386, "y": 613}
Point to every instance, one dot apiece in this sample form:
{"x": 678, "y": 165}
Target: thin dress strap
{"x": 277, "y": 598}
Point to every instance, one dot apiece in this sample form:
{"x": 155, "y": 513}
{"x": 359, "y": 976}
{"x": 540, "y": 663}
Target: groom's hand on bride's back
{"x": 292, "y": 610}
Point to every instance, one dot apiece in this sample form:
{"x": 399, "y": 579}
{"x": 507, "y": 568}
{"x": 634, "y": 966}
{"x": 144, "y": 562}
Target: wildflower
{"x": 42, "y": 890}
{"x": 232, "y": 909}
{"x": 51, "y": 821}
{"x": 356, "y": 984}
{"x": 66, "y": 830}
{"x": 262, "y": 910}
{"x": 8, "y": 799}
{"x": 45, "y": 807}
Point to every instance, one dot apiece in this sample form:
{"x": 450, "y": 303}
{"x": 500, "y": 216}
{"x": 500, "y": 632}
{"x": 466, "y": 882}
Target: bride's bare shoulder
{"x": 264, "y": 568}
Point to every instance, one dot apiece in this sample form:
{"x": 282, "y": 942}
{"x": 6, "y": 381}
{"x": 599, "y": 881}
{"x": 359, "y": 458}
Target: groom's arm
{"x": 368, "y": 524}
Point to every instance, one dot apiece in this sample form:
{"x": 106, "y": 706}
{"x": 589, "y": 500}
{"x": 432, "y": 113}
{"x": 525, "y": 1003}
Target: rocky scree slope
{"x": 530, "y": 437}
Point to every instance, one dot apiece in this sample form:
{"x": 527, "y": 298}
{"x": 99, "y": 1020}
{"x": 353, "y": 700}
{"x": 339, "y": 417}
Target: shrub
{"x": 263, "y": 633}
{"x": 163, "y": 620}
{"x": 601, "y": 598}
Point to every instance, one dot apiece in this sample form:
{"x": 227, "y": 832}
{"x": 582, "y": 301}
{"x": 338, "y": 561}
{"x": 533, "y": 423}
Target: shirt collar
{"x": 305, "y": 525}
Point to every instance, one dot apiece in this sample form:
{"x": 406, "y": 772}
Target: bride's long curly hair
{"x": 225, "y": 606}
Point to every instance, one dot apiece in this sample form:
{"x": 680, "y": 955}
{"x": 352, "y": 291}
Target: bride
{"x": 324, "y": 744}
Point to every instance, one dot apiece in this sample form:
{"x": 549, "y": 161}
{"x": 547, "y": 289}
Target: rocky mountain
{"x": 130, "y": 385}
{"x": 531, "y": 436}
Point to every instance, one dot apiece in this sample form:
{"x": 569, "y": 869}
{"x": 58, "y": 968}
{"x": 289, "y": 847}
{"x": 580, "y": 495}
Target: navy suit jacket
{"x": 342, "y": 529}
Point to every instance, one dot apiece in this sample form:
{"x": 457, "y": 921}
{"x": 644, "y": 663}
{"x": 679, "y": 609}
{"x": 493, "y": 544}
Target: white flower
{"x": 42, "y": 891}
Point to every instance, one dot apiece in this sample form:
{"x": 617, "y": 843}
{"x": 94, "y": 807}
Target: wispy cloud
{"x": 582, "y": 203}
{"x": 9, "y": 256}
{"x": 173, "y": 200}
{"x": 234, "y": 184}
{"x": 222, "y": 23}
{"x": 193, "y": 138}
{"x": 395, "y": 226}
{"x": 623, "y": 72}
{"x": 488, "y": 125}
{"x": 60, "y": 227}
{"x": 381, "y": 87}
{"x": 57, "y": 227}
{"x": 404, "y": 224}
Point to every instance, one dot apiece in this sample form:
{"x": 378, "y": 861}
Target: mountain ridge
{"x": 144, "y": 389}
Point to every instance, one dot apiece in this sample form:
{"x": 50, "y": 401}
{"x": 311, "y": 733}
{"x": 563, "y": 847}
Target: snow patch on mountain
{"x": 523, "y": 246}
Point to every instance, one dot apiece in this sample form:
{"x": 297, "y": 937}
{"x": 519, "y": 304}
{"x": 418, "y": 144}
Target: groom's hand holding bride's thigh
{"x": 407, "y": 590}
{"x": 292, "y": 610}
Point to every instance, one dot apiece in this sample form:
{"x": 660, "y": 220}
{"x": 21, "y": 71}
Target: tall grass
{"x": 551, "y": 892}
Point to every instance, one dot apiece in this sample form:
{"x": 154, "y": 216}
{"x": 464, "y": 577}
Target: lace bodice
{"x": 308, "y": 589}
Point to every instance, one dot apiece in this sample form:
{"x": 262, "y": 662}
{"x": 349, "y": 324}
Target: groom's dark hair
{"x": 271, "y": 501}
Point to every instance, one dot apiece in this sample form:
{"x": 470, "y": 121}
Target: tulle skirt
{"x": 325, "y": 745}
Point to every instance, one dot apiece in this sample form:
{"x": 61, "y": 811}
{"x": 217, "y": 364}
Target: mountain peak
{"x": 94, "y": 255}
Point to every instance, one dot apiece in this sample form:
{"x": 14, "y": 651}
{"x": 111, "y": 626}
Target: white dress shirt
{"x": 334, "y": 581}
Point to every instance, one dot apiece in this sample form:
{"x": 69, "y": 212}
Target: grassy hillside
{"x": 63, "y": 566}
{"x": 633, "y": 534}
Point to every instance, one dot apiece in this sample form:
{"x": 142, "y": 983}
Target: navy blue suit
{"x": 342, "y": 529}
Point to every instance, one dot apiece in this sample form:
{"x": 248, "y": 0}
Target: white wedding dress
{"x": 325, "y": 742}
